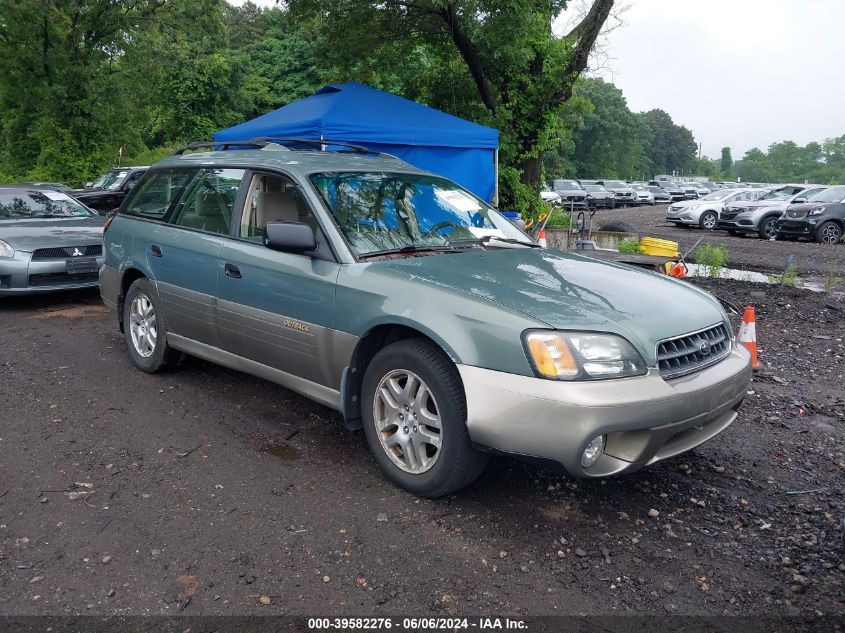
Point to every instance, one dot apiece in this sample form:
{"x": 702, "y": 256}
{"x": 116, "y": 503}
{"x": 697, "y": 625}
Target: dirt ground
{"x": 203, "y": 490}
{"x": 749, "y": 253}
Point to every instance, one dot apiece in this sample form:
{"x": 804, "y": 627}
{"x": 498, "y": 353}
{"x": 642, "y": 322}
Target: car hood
{"x": 571, "y": 192}
{"x": 759, "y": 204}
{"x": 599, "y": 194}
{"x": 27, "y": 235}
{"x": 569, "y": 291}
{"x": 695, "y": 203}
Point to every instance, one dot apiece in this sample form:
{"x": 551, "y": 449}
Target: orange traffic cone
{"x": 748, "y": 334}
{"x": 541, "y": 238}
{"x": 678, "y": 270}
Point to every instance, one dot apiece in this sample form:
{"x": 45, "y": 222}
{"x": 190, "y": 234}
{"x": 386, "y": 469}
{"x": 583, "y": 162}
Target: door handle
{"x": 232, "y": 271}
{"x": 155, "y": 249}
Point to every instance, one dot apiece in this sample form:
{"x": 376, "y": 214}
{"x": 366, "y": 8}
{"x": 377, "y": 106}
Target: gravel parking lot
{"x": 749, "y": 253}
{"x": 204, "y": 490}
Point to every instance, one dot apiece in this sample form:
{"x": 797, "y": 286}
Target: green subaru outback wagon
{"x": 418, "y": 312}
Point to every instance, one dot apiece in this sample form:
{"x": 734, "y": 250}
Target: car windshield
{"x": 668, "y": 184}
{"x": 111, "y": 180}
{"x": 566, "y": 184}
{"x": 638, "y": 188}
{"x": 594, "y": 188}
{"x": 395, "y": 212}
{"x": 777, "y": 194}
{"x": 19, "y": 205}
{"x": 717, "y": 195}
{"x": 834, "y": 194}
{"x": 654, "y": 189}
{"x": 614, "y": 183}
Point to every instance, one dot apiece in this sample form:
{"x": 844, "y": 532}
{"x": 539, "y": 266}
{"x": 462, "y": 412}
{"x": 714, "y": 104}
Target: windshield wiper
{"x": 487, "y": 238}
{"x": 409, "y": 248}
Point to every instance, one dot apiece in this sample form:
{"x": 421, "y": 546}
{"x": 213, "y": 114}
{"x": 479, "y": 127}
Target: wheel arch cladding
{"x": 368, "y": 346}
{"x": 130, "y": 276}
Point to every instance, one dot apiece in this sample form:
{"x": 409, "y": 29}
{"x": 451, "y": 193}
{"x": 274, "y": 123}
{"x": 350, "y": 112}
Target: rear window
{"x": 157, "y": 192}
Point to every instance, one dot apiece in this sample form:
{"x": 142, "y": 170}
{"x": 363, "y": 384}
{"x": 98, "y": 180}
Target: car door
{"x": 275, "y": 308}
{"x": 182, "y": 253}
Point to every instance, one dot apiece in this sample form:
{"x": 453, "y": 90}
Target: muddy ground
{"x": 202, "y": 490}
{"x": 750, "y": 253}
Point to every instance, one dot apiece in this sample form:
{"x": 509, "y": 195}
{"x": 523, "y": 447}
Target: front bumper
{"x": 743, "y": 222}
{"x": 22, "y": 275}
{"x": 646, "y": 419}
{"x": 801, "y": 228}
{"x": 683, "y": 216}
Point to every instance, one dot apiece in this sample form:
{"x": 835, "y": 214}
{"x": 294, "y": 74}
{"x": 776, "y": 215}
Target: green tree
{"x": 606, "y": 138}
{"x": 521, "y": 72}
{"x": 727, "y": 162}
{"x": 61, "y": 93}
{"x": 672, "y": 147}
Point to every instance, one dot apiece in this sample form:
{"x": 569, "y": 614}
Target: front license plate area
{"x": 81, "y": 265}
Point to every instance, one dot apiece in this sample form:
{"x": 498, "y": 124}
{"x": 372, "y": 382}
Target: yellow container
{"x": 661, "y": 248}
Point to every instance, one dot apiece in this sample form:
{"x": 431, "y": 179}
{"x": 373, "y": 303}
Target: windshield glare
{"x": 834, "y": 194}
{"x": 594, "y": 188}
{"x": 778, "y": 194}
{"x": 17, "y": 205}
{"x": 717, "y": 195}
{"x": 566, "y": 184}
{"x": 111, "y": 180}
{"x": 379, "y": 212}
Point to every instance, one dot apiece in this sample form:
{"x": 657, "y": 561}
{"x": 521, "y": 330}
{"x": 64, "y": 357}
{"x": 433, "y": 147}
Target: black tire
{"x": 708, "y": 220}
{"x": 620, "y": 227}
{"x": 734, "y": 233}
{"x": 458, "y": 463}
{"x": 163, "y": 357}
{"x": 766, "y": 230}
{"x": 828, "y": 233}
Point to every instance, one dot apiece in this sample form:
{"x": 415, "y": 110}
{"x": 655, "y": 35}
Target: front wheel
{"x": 414, "y": 413}
{"x": 767, "y": 228}
{"x": 708, "y": 220}
{"x": 144, "y": 331}
{"x": 828, "y": 233}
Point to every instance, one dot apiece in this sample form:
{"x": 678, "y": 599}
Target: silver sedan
{"x": 48, "y": 241}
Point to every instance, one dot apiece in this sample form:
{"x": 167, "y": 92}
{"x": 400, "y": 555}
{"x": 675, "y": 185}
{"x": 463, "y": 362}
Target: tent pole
{"x": 496, "y": 175}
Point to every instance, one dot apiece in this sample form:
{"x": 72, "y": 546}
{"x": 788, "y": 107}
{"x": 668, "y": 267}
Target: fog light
{"x": 593, "y": 451}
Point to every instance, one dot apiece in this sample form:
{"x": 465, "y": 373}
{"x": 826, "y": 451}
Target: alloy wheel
{"x": 142, "y": 325}
{"x": 831, "y": 234}
{"x": 709, "y": 221}
{"x": 407, "y": 421}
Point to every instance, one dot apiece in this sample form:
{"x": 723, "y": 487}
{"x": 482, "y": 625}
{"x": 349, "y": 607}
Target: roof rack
{"x": 263, "y": 141}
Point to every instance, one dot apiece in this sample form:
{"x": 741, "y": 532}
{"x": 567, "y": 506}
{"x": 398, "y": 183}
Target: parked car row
{"x": 815, "y": 212}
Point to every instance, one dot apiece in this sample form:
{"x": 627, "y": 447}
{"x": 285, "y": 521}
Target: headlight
{"x": 6, "y": 250}
{"x": 582, "y": 355}
{"x": 816, "y": 211}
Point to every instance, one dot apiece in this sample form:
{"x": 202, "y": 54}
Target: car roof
{"x": 302, "y": 162}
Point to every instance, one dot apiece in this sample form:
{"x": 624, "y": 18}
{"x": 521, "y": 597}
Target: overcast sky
{"x": 738, "y": 73}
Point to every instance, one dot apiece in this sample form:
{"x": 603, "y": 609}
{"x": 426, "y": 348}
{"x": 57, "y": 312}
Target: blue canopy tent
{"x": 424, "y": 137}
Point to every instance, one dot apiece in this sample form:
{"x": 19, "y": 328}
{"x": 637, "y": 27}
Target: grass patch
{"x": 788, "y": 278}
{"x": 629, "y": 245}
{"x": 714, "y": 258}
{"x": 831, "y": 279}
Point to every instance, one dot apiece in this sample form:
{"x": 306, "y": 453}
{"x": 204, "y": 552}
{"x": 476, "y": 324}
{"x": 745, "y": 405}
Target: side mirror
{"x": 799, "y": 201}
{"x": 290, "y": 237}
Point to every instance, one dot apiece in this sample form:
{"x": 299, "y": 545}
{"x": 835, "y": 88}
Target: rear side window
{"x": 208, "y": 205}
{"x": 157, "y": 192}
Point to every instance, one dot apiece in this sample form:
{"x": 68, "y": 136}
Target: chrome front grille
{"x": 692, "y": 352}
{"x": 795, "y": 214}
